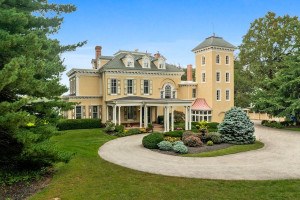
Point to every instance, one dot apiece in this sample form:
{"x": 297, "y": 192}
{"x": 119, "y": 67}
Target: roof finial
{"x": 213, "y": 29}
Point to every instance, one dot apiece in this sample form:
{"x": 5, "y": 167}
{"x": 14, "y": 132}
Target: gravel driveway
{"x": 279, "y": 159}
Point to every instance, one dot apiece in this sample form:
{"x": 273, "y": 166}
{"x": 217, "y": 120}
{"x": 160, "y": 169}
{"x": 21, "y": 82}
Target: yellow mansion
{"x": 133, "y": 87}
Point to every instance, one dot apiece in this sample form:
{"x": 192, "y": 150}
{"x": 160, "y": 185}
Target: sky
{"x": 172, "y": 27}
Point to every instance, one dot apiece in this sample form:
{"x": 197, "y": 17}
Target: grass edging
{"x": 229, "y": 150}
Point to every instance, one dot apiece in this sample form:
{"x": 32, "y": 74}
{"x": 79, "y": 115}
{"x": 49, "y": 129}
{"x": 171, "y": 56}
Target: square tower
{"x": 214, "y": 60}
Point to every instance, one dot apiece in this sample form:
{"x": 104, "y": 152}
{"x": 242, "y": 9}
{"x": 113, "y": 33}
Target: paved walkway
{"x": 279, "y": 159}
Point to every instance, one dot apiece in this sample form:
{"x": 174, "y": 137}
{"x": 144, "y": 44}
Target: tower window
{"x": 227, "y": 60}
{"x": 227, "y": 77}
{"x": 203, "y": 60}
{"x": 218, "y": 76}
{"x": 218, "y": 59}
{"x": 227, "y": 94}
{"x": 203, "y": 77}
{"x": 218, "y": 95}
{"x": 194, "y": 93}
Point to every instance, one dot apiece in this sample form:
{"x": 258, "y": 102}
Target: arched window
{"x": 129, "y": 61}
{"x": 146, "y": 62}
{"x": 168, "y": 92}
{"x": 203, "y": 60}
{"x": 227, "y": 60}
{"x": 218, "y": 59}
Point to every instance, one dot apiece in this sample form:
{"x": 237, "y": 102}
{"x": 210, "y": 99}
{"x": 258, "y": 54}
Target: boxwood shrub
{"x": 69, "y": 124}
{"x": 177, "y": 133}
{"x": 150, "y": 141}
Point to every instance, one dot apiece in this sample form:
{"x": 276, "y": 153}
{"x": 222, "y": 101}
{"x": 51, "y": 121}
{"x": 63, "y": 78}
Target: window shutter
{"x": 125, "y": 113}
{"x": 119, "y": 87}
{"x": 134, "y": 87}
{"x": 150, "y": 87}
{"x": 90, "y": 111}
{"x": 108, "y": 86}
{"x": 100, "y": 112}
{"x": 142, "y": 87}
{"x": 83, "y": 111}
{"x": 125, "y": 86}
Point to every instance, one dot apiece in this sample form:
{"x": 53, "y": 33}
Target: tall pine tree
{"x": 30, "y": 72}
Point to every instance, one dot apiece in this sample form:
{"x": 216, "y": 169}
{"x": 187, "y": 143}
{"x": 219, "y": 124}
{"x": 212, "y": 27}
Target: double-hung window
{"x": 129, "y": 86}
{"x": 218, "y": 76}
{"x": 227, "y": 77}
{"x": 113, "y": 86}
{"x": 194, "y": 93}
{"x": 146, "y": 86}
{"x": 78, "y": 112}
{"x": 218, "y": 95}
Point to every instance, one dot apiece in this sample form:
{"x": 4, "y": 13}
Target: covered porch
{"x": 144, "y": 111}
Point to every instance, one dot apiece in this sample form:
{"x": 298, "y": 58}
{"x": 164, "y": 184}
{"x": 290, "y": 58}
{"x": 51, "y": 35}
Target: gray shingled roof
{"x": 215, "y": 42}
{"x": 117, "y": 63}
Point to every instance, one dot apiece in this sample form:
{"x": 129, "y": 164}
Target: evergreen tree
{"x": 282, "y": 95}
{"x": 30, "y": 72}
{"x": 236, "y": 127}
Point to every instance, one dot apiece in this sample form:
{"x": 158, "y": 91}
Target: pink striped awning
{"x": 200, "y": 104}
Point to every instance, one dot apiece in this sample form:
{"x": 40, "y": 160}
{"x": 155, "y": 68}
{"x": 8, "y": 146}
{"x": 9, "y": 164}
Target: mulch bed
{"x": 22, "y": 190}
{"x": 201, "y": 149}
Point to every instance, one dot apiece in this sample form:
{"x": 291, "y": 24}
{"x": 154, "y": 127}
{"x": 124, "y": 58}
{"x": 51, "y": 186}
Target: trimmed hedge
{"x": 150, "y": 141}
{"x": 70, "y": 124}
{"x": 177, "y": 133}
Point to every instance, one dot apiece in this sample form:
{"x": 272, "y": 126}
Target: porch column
{"x": 145, "y": 116}
{"x": 186, "y": 118}
{"x": 141, "y": 116}
{"x": 115, "y": 114}
{"x": 172, "y": 118}
{"x": 190, "y": 118}
{"x": 107, "y": 113}
{"x": 165, "y": 119}
{"x": 119, "y": 115}
{"x": 168, "y": 118}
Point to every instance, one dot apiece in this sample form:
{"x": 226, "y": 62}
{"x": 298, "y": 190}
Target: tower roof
{"x": 214, "y": 41}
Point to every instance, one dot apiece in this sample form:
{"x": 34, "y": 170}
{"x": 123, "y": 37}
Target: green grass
{"x": 87, "y": 176}
{"x": 293, "y": 129}
{"x": 229, "y": 150}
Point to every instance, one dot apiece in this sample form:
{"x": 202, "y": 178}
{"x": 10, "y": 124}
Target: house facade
{"x": 133, "y": 87}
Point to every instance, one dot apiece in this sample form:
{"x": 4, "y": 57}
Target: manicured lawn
{"x": 229, "y": 150}
{"x": 293, "y": 129}
{"x": 87, "y": 176}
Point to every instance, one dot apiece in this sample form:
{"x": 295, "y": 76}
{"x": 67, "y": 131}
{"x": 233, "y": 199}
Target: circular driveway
{"x": 278, "y": 159}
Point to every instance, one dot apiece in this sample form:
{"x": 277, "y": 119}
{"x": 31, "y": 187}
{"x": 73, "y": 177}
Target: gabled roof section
{"x": 214, "y": 41}
{"x": 200, "y": 104}
{"x": 117, "y": 63}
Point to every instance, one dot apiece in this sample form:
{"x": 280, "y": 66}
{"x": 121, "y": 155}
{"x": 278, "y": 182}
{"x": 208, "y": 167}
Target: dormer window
{"x": 129, "y": 61}
{"x": 161, "y": 63}
{"x": 146, "y": 62}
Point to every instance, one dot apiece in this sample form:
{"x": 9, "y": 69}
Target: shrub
{"x": 190, "y": 133}
{"x": 202, "y": 126}
{"x": 192, "y": 141}
{"x": 119, "y": 128}
{"x": 180, "y": 148}
{"x": 177, "y": 142}
{"x": 69, "y": 124}
{"x": 179, "y": 116}
{"x": 214, "y": 137}
{"x": 177, "y": 133}
{"x": 109, "y": 127}
{"x": 134, "y": 131}
{"x": 272, "y": 124}
{"x": 210, "y": 143}
{"x": 236, "y": 127}
{"x": 212, "y": 125}
{"x": 150, "y": 141}
{"x": 165, "y": 145}
{"x": 172, "y": 139}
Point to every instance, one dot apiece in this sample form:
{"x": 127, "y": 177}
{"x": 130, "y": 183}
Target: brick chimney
{"x": 157, "y": 55}
{"x": 189, "y": 73}
{"x": 98, "y": 54}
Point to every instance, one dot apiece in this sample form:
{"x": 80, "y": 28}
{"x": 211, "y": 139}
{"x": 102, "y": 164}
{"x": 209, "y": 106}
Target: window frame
{"x": 194, "y": 93}
{"x": 112, "y": 86}
{"x": 203, "y": 60}
{"x": 93, "y": 112}
{"x": 78, "y": 113}
{"x": 218, "y": 76}
{"x": 218, "y": 95}
{"x": 148, "y": 87}
{"x": 227, "y": 80}
{"x": 227, "y": 60}
{"x": 218, "y": 59}
{"x": 227, "y": 95}
{"x": 130, "y": 87}
{"x": 203, "y": 73}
